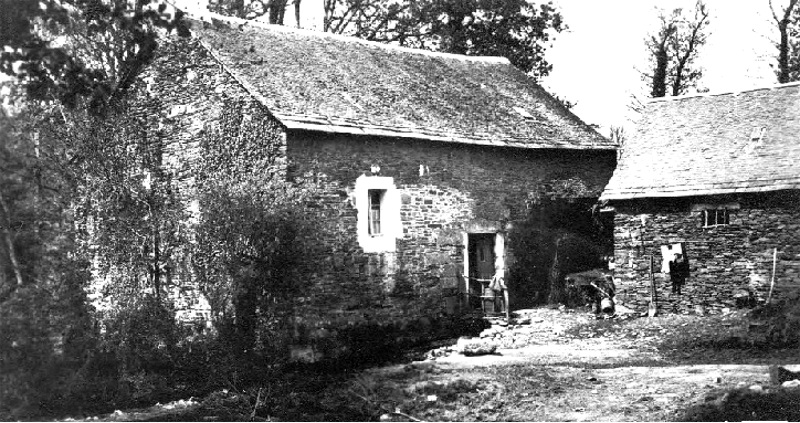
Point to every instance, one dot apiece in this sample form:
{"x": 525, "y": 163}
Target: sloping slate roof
{"x": 320, "y": 81}
{"x": 711, "y": 144}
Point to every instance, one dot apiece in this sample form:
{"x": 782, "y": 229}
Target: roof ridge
{"x": 721, "y": 93}
{"x": 240, "y": 23}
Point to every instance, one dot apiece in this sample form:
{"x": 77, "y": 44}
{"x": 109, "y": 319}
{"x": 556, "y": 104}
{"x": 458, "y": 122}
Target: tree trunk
{"x": 659, "y": 85}
{"x": 157, "y": 263}
{"x": 277, "y": 9}
{"x": 297, "y": 12}
{"x": 677, "y": 84}
{"x": 9, "y": 240}
{"x": 783, "y": 52}
{"x": 784, "y": 48}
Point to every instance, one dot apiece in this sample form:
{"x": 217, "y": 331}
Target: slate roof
{"x": 321, "y": 81}
{"x": 712, "y": 144}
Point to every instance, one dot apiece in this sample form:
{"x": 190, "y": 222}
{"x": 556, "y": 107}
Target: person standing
{"x": 678, "y": 272}
{"x": 498, "y": 284}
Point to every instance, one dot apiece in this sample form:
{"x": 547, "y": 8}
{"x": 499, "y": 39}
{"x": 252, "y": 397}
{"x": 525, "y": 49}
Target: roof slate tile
{"x": 702, "y": 145}
{"x": 333, "y": 83}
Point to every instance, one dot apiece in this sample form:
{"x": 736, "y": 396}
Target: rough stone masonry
{"x": 726, "y": 261}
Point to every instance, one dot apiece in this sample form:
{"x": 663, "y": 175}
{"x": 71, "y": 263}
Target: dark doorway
{"x": 481, "y": 270}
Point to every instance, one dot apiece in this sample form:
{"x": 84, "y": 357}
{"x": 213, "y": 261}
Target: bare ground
{"x": 562, "y": 366}
{"x": 571, "y": 367}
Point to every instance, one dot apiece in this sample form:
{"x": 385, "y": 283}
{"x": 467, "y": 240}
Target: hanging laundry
{"x": 668, "y": 254}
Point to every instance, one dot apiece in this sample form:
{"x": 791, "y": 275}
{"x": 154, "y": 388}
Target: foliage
{"x": 777, "y": 323}
{"x": 253, "y": 234}
{"x": 558, "y": 237}
{"x": 128, "y": 202}
{"x": 515, "y": 29}
{"x": 275, "y": 10}
{"x": 45, "y": 322}
{"x": 787, "y": 21}
{"x": 674, "y": 48}
{"x": 73, "y": 194}
{"x": 74, "y": 50}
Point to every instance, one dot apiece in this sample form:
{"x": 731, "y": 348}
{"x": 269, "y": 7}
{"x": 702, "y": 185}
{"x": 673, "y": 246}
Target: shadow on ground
{"x": 744, "y": 404}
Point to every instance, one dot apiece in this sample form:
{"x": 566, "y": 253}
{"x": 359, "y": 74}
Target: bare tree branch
{"x": 674, "y": 48}
{"x": 685, "y": 55}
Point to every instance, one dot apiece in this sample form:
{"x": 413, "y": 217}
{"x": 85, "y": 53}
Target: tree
{"x": 71, "y": 50}
{"x": 83, "y": 192}
{"x": 788, "y": 22}
{"x": 45, "y": 318}
{"x": 255, "y": 236}
{"x": 674, "y": 48}
{"x": 86, "y": 54}
{"x": 515, "y": 29}
{"x": 275, "y": 10}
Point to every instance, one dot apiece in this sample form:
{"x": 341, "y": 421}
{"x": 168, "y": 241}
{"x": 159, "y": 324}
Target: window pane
{"x": 374, "y": 213}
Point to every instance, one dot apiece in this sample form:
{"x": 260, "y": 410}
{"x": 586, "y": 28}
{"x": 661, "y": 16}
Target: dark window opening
{"x": 374, "y": 217}
{"x": 716, "y": 217}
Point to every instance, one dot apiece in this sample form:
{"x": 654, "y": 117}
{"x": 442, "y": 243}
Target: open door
{"x": 481, "y": 256}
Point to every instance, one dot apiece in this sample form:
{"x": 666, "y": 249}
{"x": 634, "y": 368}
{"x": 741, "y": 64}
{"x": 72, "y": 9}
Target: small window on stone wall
{"x": 377, "y": 203}
{"x": 374, "y": 216}
{"x": 716, "y": 217}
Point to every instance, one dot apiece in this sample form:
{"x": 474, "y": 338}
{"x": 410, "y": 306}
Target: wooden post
{"x": 772, "y": 281}
{"x": 466, "y": 293}
{"x": 508, "y": 309}
{"x": 652, "y": 310}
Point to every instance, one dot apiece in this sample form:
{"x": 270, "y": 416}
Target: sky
{"x": 597, "y": 62}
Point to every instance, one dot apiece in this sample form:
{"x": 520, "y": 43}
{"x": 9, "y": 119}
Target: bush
{"x": 45, "y": 340}
{"x": 557, "y": 238}
{"x": 776, "y": 324}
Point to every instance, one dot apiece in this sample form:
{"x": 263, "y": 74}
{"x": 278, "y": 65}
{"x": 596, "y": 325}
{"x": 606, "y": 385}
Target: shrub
{"x": 556, "y": 238}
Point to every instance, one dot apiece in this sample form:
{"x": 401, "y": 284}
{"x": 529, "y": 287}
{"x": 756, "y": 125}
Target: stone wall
{"x": 444, "y": 188}
{"x": 725, "y": 261}
{"x": 184, "y": 98}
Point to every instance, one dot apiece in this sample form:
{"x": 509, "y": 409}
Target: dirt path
{"x": 571, "y": 368}
{"x": 553, "y": 365}
{"x": 570, "y": 393}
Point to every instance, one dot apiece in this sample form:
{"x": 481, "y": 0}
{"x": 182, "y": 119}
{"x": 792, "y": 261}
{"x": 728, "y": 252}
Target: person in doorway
{"x": 498, "y": 285}
{"x": 678, "y": 271}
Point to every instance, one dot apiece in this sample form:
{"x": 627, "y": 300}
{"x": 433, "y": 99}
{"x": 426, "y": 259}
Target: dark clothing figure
{"x": 678, "y": 272}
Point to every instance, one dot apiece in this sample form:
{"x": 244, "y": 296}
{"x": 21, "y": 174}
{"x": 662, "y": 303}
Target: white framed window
{"x": 716, "y": 213}
{"x": 377, "y": 203}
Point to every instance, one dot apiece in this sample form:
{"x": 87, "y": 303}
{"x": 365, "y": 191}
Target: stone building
{"x": 717, "y": 175}
{"x": 428, "y": 157}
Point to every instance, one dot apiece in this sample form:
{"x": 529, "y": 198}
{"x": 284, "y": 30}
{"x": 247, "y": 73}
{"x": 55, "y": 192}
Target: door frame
{"x": 499, "y": 256}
